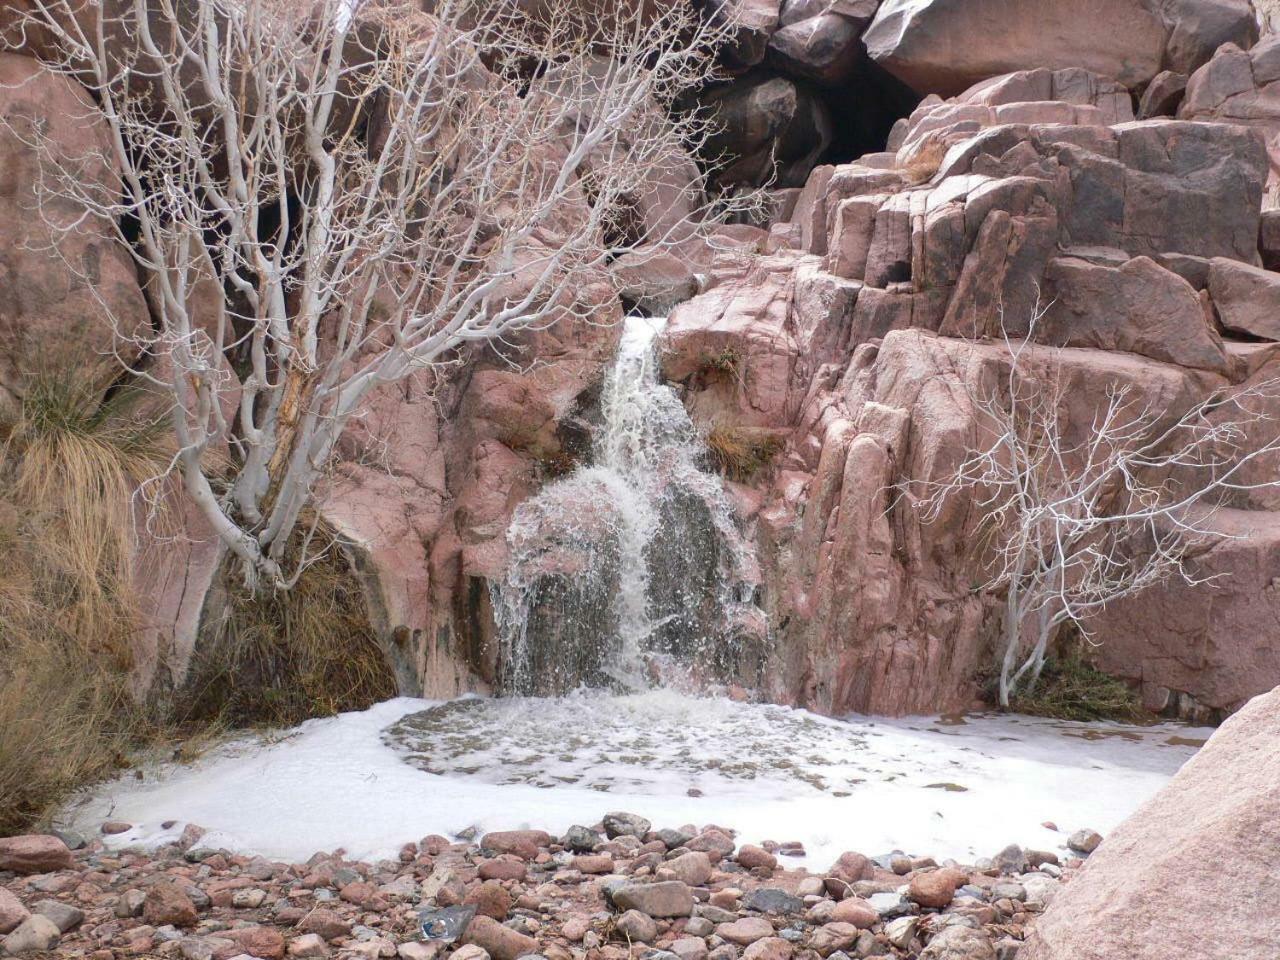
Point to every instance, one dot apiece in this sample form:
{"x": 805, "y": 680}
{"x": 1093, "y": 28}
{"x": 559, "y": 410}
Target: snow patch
{"x": 368, "y": 782}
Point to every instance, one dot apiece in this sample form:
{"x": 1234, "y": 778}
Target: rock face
{"x": 1139, "y": 241}
{"x": 1147, "y": 886}
{"x": 942, "y": 46}
{"x": 63, "y": 281}
{"x": 1240, "y": 86}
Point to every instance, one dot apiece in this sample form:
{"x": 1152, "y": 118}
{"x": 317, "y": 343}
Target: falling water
{"x": 633, "y": 564}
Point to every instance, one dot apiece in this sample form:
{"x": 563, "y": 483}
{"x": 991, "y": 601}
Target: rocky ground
{"x": 614, "y": 891}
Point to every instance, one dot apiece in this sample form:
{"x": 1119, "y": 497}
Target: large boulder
{"x": 1188, "y": 874}
{"x": 767, "y": 126}
{"x": 943, "y": 46}
{"x": 819, "y": 40}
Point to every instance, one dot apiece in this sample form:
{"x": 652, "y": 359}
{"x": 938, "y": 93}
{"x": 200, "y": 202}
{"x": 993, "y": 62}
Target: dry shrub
{"x": 69, "y": 464}
{"x": 922, "y": 167}
{"x": 277, "y": 658}
{"x": 739, "y": 453}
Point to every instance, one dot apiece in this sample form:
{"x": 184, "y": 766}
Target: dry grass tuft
{"x": 924, "y": 165}
{"x": 69, "y": 464}
{"x": 739, "y": 453}
{"x": 277, "y": 658}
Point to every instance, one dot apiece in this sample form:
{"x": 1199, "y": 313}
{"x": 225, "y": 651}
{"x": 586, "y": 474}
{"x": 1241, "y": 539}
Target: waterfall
{"x": 631, "y": 569}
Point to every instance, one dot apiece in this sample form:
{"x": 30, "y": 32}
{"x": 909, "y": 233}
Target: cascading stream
{"x": 633, "y": 563}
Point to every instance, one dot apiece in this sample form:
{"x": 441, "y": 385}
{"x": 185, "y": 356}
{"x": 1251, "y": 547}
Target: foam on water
{"x": 370, "y": 781}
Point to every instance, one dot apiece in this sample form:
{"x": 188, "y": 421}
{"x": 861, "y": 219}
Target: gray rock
{"x": 890, "y": 905}
{"x": 580, "y": 839}
{"x": 772, "y": 901}
{"x": 1011, "y": 860}
{"x": 1084, "y": 841}
{"x": 699, "y": 927}
{"x": 900, "y": 932}
{"x": 670, "y": 898}
{"x": 64, "y": 916}
{"x": 619, "y": 824}
{"x": 129, "y": 903}
{"x": 714, "y": 914}
{"x": 1008, "y": 891}
{"x": 35, "y": 934}
{"x": 674, "y": 838}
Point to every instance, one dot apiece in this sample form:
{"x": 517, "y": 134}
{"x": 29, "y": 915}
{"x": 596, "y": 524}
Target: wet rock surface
{"x": 191, "y": 902}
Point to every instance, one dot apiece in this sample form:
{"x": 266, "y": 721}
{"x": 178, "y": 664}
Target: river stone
{"x": 619, "y": 824}
{"x": 669, "y": 898}
{"x": 12, "y": 912}
{"x": 854, "y": 910}
{"x": 522, "y": 843}
{"x": 900, "y": 932}
{"x": 770, "y": 948}
{"x": 690, "y": 948}
{"x": 502, "y": 943}
{"x": 831, "y": 938}
{"x": 693, "y": 868}
{"x": 636, "y": 927}
{"x": 580, "y": 840}
{"x": 745, "y": 931}
{"x": 64, "y": 915}
{"x": 959, "y": 943}
{"x": 1011, "y": 860}
{"x": 772, "y": 901}
{"x": 167, "y": 903}
{"x": 889, "y": 905}
{"x": 674, "y": 838}
{"x": 1084, "y": 841}
{"x": 35, "y": 934}
{"x": 34, "y": 854}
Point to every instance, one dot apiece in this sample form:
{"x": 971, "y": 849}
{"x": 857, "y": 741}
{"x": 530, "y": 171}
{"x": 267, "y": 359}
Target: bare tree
{"x": 337, "y": 193}
{"x": 1078, "y": 519}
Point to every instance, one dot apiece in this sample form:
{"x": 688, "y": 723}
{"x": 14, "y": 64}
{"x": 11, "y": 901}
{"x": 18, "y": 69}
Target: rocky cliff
{"x": 934, "y": 168}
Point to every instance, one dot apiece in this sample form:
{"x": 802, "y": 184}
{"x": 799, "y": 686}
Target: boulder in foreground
{"x": 1149, "y": 892}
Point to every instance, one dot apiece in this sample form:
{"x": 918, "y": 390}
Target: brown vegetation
{"x": 277, "y": 657}
{"x": 739, "y": 453}
{"x": 70, "y": 463}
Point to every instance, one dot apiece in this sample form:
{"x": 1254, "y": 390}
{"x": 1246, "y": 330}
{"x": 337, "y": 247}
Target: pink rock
{"x": 745, "y": 931}
{"x": 501, "y": 942}
{"x": 167, "y": 903}
{"x": 592, "y": 864}
{"x": 258, "y": 941}
{"x": 12, "y": 912}
{"x": 490, "y": 899}
{"x": 846, "y": 871}
{"x": 1180, "y": 909}
{"x": 935, "y": 889}
{"x": 770, "y": 948}
{"x": 521, "y": 843}
{"x": 504, "y": 868}
{"x": 34, "y": 854}
{"x": 855, "y": 911}
{"x": 753, "y": 858}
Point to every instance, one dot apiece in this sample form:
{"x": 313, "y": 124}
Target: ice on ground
{"x": 368, "y": 782}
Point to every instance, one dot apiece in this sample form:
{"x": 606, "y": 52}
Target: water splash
{"x": 631, "y": 569}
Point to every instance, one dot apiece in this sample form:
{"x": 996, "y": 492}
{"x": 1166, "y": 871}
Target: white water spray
{"x": 596, "y": 590}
